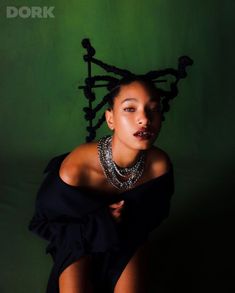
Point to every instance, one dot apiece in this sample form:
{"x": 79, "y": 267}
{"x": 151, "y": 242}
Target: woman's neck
{"x": 123, "y": 156}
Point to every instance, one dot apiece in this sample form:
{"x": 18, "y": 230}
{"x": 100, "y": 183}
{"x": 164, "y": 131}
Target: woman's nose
{"x": 143, "y": 119}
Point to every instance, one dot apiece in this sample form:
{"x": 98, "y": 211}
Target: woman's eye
{"x": 129, "y": 109}
{"x": 155, "y": 109}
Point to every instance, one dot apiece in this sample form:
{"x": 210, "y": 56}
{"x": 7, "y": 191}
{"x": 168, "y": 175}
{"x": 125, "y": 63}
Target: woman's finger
{"x": 117, "y": 205}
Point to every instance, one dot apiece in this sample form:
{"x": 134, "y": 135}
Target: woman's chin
{"x": 145, "y": 145}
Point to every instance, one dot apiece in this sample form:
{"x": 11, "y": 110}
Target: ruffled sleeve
{"x": 74, "y": 220}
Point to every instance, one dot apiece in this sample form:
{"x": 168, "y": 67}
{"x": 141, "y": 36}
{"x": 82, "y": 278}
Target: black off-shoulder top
{"x": 76, "y": 221}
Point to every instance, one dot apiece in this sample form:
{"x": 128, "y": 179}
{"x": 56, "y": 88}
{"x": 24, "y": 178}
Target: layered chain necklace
{"x": 112, "y": 171}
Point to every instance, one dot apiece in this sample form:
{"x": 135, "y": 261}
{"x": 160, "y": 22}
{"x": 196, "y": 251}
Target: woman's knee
{"x": 134, "y": 277}
{"x": 76, "y": 278}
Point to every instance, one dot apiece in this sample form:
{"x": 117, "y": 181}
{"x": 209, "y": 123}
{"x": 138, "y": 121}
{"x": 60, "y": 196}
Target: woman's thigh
{"x": 76, "y": 277}
{"x": 134, "y": 278}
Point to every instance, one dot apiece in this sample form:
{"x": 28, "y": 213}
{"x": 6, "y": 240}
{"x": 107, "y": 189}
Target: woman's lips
{"x": 144, "y": 134}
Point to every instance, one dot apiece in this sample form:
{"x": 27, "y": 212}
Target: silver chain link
{"x": 112, "y": 170}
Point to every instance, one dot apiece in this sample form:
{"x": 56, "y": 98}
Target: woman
{"x": 122, "y": 185}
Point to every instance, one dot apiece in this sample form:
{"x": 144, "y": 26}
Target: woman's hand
{"x": 116, "y": 210}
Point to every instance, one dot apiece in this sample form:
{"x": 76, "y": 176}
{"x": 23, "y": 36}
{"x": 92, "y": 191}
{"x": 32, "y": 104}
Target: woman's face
{"x": 135, "y": 110}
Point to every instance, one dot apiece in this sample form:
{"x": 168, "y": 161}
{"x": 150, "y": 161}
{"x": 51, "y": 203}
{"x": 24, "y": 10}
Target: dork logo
{"x": 33, "y": 12}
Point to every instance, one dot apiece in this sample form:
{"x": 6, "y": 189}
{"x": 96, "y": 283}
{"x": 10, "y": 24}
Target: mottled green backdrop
{"x": 41, "y": 116}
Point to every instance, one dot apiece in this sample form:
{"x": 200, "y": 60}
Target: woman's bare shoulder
{"x": 160, "y": 161}
{"x": 78, "y": 164}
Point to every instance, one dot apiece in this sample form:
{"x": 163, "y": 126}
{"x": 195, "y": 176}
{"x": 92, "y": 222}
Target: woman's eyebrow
{"x": 129, "y": 99}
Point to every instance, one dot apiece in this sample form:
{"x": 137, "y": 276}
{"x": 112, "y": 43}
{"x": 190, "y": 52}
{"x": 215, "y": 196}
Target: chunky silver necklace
{"x": 112, "y": 170}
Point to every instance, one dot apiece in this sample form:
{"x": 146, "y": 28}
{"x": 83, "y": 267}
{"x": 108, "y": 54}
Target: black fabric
{"x": 76, "y": 221}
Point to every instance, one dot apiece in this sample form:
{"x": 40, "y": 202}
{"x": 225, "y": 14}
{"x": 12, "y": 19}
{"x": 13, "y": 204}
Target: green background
{"x": 41, "y": 117}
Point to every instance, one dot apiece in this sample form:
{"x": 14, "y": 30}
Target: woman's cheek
{"x": 128, "y": 120}
{"x": 158, "y": 122}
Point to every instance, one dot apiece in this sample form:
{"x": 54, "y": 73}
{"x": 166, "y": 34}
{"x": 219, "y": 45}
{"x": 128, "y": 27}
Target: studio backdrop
{"x": 42, "y": 116}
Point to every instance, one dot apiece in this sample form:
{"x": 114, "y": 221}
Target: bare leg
{"x": 76, "y": 277}
{"x": 134, "y": 278}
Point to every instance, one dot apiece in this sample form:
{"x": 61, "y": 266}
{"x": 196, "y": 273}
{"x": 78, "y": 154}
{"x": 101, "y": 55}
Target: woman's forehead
{"x": 136, "y": 92}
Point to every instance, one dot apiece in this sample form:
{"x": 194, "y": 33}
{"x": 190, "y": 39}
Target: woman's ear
{"x": 109, "y": 118}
